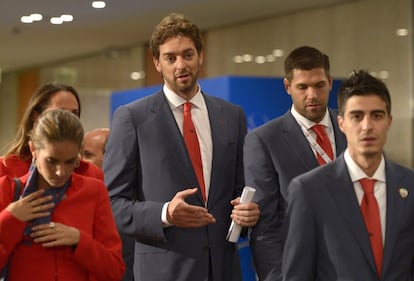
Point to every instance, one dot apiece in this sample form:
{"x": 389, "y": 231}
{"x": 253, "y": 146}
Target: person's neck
{"x": 369, "y": 164}
{"x": 42, "y": 183}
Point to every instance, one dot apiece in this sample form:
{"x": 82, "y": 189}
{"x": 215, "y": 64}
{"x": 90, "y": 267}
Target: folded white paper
{"x": 235, "y": 229}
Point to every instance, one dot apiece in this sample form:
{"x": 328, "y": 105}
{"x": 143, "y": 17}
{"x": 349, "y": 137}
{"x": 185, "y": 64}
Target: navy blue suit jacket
{"x": 274, "y": 154}
{"x": 326, "y": 235}
{"x": 146, "y": 163}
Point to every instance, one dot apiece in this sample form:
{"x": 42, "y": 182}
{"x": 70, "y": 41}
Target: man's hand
{"x": 246, "y": 214}
{"x": 182, "y": 214}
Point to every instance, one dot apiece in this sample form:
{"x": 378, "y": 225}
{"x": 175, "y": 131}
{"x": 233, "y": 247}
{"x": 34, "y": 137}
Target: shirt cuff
{"x": 165, "y": 222}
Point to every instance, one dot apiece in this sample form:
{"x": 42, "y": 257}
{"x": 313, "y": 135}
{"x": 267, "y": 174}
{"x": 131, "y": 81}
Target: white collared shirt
{"x": 199, "y": 114}
{"x": 308, "y": 124}
{"x": 356, "y": 173}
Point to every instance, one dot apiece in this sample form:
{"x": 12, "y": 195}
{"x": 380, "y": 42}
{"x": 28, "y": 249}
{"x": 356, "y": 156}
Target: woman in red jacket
{"x": 17, "y": 159}
{"x": 62, "y": 226}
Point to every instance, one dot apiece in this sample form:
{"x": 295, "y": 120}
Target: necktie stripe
{"x": 323, "y": 140}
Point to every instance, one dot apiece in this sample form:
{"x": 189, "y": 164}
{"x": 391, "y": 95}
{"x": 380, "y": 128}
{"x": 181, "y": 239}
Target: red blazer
{"x": 98, "y": 256}
{"x": 13, "y": 166}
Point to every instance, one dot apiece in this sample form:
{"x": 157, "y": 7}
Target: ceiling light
{"x": 384, "y": 74}
{"x": 26, "y": 19}
{"x": 98, "y": 4}
{"x": 260, "y": 59}
{"x": 247, "y": 58}
{"x": 56, "y": 20}
{"x": 238, "y": 59}
{"x": 402, "y": 32}
{"x": 270, "y": 58}
{"x": 278, "y": 53}
{"x": 36, "y": 17}
{"x": 136, "y": 75}
{"x": 66, "y": 18}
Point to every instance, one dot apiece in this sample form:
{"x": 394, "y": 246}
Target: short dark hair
{"x": 361, "y": 83}
{"x": 171, "y": 26}
{"x": 305, "y": 58}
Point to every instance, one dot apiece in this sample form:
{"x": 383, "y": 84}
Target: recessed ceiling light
{"x": 260, "y": 59}
{"x": 56, "y": 20}
{"x": 238, "y": 59}
{"x": 136, "y": 75}
{"x": 98, "y": 4}
{"x": 26, "y": 19}
{"x": 36, "y": 17}
{"x": 270, "y": 58}
{"x": 384, "y": 74}
{"x": 402, "y": 32}
{"x": 278, "y": 53}
{"x": 247, "y": 58}
{"x": 66, "y": 18}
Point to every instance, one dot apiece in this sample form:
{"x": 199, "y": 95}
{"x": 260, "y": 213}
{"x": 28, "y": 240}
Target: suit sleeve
{"x": 299, "y": 254}
{"x": 266, "y": 236}
{"x": 101, "y": 253}
{"x": 123, "y": 178}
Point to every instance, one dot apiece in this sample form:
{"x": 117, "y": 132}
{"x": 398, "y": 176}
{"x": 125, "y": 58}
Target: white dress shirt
{"x": 308, "y": 124}
{"x": 199, "y": 114}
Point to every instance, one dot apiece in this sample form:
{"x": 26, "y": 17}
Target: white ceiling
{"x": 121, "y": 23}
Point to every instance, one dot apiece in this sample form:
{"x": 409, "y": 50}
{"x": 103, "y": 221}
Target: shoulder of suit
{"x": 272, "y": 127}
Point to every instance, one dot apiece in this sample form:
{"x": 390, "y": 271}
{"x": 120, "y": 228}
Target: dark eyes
{"x": 317, "y": 86}
{"x": 172, "y": 59}
{"x": 374, "y": 116}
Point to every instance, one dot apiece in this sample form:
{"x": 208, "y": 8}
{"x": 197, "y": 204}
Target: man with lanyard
{"x": 304, "y": 138}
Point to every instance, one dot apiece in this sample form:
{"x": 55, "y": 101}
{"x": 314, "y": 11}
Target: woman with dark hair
{"x": 61, "y": 227}
{"x": 16, "y": 161}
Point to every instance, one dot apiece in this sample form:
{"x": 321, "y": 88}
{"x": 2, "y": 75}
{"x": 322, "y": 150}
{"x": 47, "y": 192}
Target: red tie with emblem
{"x": 193, "y": 147}
{"x": 370, "y": 212}
{"x": 323, "y": 140}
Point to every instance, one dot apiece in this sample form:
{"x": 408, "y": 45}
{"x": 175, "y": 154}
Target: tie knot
{"x": 187, "y": 106}
{"x": 319, "y": 130}
{"x": 367, "y": 185}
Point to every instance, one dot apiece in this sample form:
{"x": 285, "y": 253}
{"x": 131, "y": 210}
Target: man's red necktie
{"x": 370, "y": 212}
{"x": 193, "y": 147}
{"x": 323, "y": 140}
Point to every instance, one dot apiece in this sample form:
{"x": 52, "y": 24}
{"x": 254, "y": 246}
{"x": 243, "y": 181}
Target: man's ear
{"x": 157, "y": 64}
{"x": 340, "y": 123}
{"x": 286, "y": 83}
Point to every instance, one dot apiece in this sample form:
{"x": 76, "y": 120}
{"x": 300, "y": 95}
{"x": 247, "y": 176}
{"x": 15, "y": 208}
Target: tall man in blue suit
{"x": 286, "y": 147}
{"x": 178, "y": 210}
{"x": 337, "y": 227}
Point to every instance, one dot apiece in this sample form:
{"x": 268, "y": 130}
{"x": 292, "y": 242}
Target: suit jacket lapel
{"x": 293, "y": 135}
{"x": 165, "y": 122}
{"x": 344, "y": 196}
{"x": 218, "y": 125}
{"x": 395, "y": 209}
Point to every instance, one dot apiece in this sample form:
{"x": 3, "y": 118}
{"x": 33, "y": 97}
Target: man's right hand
{"x": 182, "y": 214}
